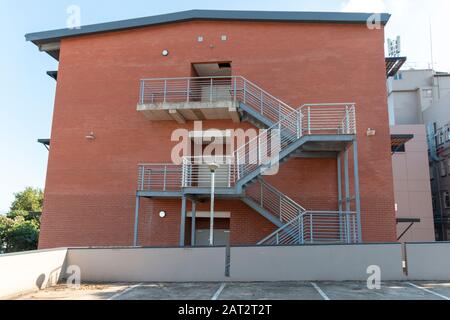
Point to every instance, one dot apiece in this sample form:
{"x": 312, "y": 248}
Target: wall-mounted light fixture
{"x": 162, "y": 214}
{"x": 165, "y": 53}
{"x": 90, "y": 136}
{"x": 371, "y": 132}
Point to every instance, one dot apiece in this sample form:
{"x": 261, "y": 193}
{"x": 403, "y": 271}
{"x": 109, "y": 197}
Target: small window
{"x": 427, "y": 93}
{"x": 446, "y": 196}
{"x": 434, "y": 204}
{"x": 398, "y": 76}
{"x": 224, "y": 65}
{"x": 443, "y": 168}
{"x": 441, "y": 137}
{"x": 398, "y": 149}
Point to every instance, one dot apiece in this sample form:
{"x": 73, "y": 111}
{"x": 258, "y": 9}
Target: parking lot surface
{"x": 422, "y": 290}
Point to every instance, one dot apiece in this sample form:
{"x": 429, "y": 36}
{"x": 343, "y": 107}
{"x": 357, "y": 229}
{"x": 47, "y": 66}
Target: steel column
{"x": 143, "y": 177}
{"x": 183, "y": 221}
{"x": 235, "y": 90}
{"x": 339, "y": 178}
{"x": 211, "y": 93}
{"x": 188, "y": 91}
{"x": 165, "y": 90}
{"x": 347, "y": 195}
{"x": 309, "y": 120}
{"x": 193, "y": 222}
{"x": 142, "y": 91}
{"x": 211, "y": 223}
{"x": 357, "y": 192}
{"x": 136, "y": 221}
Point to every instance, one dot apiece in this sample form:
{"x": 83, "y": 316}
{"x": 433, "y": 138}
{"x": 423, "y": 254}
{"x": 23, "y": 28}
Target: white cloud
{"x": 364, "y": 6}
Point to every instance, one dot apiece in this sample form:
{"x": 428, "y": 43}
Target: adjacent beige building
{"x": 412, "y": 186}
{"x": 421, "y": 98}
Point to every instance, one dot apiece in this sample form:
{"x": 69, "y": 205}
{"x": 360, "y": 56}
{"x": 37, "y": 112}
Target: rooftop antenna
{"x": 394, "y": 47}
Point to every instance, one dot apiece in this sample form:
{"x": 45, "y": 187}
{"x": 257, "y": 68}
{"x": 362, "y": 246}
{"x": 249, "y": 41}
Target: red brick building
{"x": 230, "y": 70}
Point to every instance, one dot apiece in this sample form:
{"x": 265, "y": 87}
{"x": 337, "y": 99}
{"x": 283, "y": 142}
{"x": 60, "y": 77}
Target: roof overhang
{"x": 393, "y": 65}
{"x": 49, "y": 41}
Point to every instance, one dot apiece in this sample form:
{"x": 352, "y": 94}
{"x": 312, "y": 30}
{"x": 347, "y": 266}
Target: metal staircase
{"x": 287, "y": 131}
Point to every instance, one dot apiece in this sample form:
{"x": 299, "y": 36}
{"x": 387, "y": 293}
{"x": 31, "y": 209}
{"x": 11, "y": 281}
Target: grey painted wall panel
{"x": 30, "y": 271}
{"x": 428, "y": 261}
{"x": 152, "y": 264}
{"x": 324, "y": 262}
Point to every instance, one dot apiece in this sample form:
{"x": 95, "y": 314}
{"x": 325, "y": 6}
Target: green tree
{"x": 26, "y": 203}
{"x": 5, "y": 225}
{"x": 19, "y": 229}
{"x": 22, "y": 236}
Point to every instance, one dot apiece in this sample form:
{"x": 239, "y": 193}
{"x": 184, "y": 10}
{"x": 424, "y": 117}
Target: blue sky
{"x": 27, "y": 93}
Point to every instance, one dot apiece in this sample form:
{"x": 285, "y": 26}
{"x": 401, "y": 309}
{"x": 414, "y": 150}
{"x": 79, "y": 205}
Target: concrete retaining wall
{"x": 30, "y": 271}
{"x": 152, "y": 264}
{"x": 428, "y": 261}
{"x": 322, "y": 262}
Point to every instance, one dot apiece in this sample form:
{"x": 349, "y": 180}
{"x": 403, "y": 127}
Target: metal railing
{"x": 274, "y": 201}
{"x": 442, "y": 135}
{"x": 300, "y": 226}
{"x": 328, "y": 118}
{"x": 311, "y": 119}
{"x": 290, "y": 124}
{"x": 197, "y": 172}
{"x": 316, "y": 227}
{"x": 213, "y": 89}
{"x": 264, "y": 149}
{"x": 336, "y": 118}
{"x": 159, "y": 177}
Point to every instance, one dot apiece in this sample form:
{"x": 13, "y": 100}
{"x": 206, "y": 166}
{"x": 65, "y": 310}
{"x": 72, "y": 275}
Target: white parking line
{"x": 429, "y": 291}
{"x": 218, "y": 292}
{"x": 320, "y": 291}
{"x": 117, "y": 295}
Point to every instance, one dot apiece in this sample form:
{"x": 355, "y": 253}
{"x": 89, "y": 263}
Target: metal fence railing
{"x": 213, "y": 89}
{"x": 197, "y": 172}
{"x": 316, "y": 227}
{"x": 274, "y": 201}
{"x": 159, "y": 177}
{"x": 328, "y": 118}
{"x": 289, "y": 124}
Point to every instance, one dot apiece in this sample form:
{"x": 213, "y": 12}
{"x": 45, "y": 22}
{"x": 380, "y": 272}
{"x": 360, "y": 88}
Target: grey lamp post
{"x": 212, "y": 167}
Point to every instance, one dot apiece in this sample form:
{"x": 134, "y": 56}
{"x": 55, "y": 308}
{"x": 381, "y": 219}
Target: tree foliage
{"x": 19, "y": 229}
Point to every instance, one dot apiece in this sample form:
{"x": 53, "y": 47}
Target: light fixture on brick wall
{"x": 90, "y": 136}
{"x": 165, "y": 53}
{"x": 162, "y": 214}
{"x": 371, "y": 132}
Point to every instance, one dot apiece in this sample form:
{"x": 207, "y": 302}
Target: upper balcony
{"x": 190, "y": 99}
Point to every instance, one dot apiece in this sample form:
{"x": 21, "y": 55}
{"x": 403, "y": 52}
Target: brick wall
{"x": 89, "y": 194}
